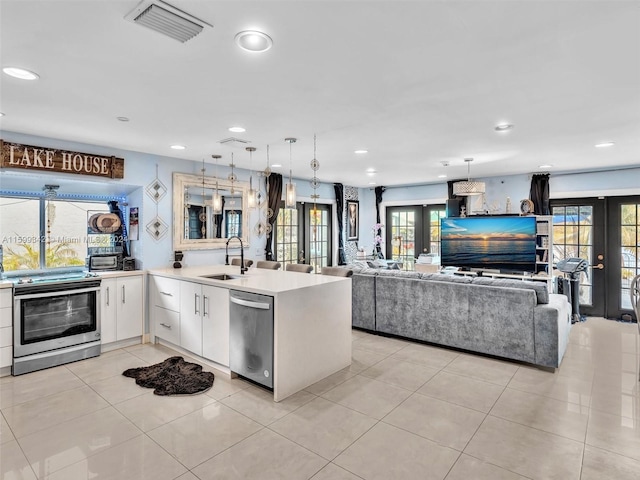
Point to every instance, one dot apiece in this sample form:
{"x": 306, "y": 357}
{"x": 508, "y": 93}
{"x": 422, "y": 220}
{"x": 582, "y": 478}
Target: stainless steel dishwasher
{"x": 251, "y": 336}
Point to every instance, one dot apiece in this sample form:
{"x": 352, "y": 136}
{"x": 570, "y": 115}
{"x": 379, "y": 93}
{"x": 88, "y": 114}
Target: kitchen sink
{"x": 220, "y": 276}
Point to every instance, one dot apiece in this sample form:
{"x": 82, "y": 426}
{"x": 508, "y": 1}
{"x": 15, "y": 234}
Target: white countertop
{"x": 6, "y": 283}
{"x": 255, "y": 280}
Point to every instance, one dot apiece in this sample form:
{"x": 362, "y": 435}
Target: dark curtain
{"x": 339, "y": 189}
{"x": 218, "y": 218}
{"x": 379, "y": 191}
{"x": 274, "y": 196}
{"x": 539, "y": 193}
{"x": 121, "y": 234}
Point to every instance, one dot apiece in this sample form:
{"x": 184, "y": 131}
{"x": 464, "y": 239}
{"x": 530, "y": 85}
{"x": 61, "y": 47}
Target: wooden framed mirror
{"x": 196, "y": 226}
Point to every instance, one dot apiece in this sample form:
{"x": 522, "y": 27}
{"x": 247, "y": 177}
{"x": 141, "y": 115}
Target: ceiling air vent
{"x": 234, "y": 142}
{"x": 166, "y": 19}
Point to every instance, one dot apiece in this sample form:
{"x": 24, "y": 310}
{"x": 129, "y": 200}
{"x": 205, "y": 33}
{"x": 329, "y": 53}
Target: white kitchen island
{"x": 312, "y": 319}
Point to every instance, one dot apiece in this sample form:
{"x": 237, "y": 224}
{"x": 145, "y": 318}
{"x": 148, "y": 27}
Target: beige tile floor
{"x": 401, "y": 411}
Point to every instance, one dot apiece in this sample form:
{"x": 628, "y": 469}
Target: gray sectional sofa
{"x": 507, "y": 318}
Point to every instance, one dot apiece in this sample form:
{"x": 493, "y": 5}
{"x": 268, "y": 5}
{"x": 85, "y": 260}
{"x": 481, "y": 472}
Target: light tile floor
{"x": 401, "y": 411}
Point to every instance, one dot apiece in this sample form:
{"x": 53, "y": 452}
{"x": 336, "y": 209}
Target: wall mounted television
{"x": 500, "y": 243}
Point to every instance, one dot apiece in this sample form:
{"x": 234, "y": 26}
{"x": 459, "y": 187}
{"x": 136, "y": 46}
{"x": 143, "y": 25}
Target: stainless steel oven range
{"x": 56, "y": 320}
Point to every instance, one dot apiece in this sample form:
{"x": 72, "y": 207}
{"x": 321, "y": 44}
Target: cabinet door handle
{"x": 166, "y": 326}
{"x": 205, "y": 299}
{"x": 197, "y": 301}
{"x": 167, "y": 294}
{"x": 107, "y": 296}
{"x": 123, "y": 300}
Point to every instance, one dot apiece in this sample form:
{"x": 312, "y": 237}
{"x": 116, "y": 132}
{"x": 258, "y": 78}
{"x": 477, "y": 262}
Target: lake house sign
{"x": 15, "y": 155}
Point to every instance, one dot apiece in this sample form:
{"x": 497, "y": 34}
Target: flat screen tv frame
{"x": 485, "y": 243}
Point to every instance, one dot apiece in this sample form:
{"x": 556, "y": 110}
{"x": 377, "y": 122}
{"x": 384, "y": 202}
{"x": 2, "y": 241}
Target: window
{"x": 573, "y": 237}
{"x": 233, "y": 226}
{"x": 39, "y": 233}
{"x": 287, "y": 247}
{"x": 629, "y": 249}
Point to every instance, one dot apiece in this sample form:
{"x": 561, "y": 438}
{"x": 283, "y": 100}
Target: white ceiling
{"x": 416, "y": 83}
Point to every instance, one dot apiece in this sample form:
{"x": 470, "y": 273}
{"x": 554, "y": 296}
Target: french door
{"x": 606, "y": 233}
{"x": 412, "y": 230}
{"x": 303, "y": 235}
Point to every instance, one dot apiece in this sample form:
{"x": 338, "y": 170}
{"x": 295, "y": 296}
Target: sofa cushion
{"x": 542, "y": 295}
{"x": 441, "y": 277}
{"x": 398, "y": 273}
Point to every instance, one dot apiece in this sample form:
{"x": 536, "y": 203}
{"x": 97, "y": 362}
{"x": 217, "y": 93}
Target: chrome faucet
{"x": 226, "y": 254}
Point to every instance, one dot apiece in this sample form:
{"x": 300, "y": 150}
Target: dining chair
{"x": 634, "y": 291}
{"x": 337, "y": 271}
{"x": 268, "y": 264}
{"x": 236, "y": 262}
{"x": 298, "y": 267}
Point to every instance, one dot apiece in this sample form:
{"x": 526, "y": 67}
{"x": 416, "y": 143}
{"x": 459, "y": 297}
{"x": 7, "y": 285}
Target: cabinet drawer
{"x": 6, "y": 317}
{"x": 6, "y": 356}
{"x": 166, "y": 293}
{"x": 5, "y": 298}
{"x": 166, "y": 324}
{"x": 6, "y": 337}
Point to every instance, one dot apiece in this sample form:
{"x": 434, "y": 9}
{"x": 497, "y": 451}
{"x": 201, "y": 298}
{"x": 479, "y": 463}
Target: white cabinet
{"x": 191, "y": 317}
{"x": 204, "y": 321}
{"x": 6, "y": 331}
{"x": 121, "y": 301}
{"x": 215, "y": 324}
{"x": 165, "y": 300}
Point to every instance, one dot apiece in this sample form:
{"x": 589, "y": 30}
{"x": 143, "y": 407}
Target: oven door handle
{"x": 57, "y": 293}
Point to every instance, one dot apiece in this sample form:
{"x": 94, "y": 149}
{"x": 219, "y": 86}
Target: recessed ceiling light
{"x": 503, "y": 127}
{"x": 237, "y": 129}
{"x": 360, "y": 151}
{"x": 20, "y": 73}
{"x": 254, "y": 41}
{"x": 178, "y": 147}
{"x": 372, "y": 183}
{"x": 1, "y": 114}
{"x": 604, "y": 144}
{"x": 122, "y": 119}
{"x": 545, "y": 166}
{"x": 276, "y": 165}
{"x": 371, "y": 170}
{"x": 442, "y": 176}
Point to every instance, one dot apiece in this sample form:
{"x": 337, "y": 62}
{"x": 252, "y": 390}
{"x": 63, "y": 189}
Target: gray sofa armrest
{"x": 363, "y": 301}
{"x": 552, "y": 323}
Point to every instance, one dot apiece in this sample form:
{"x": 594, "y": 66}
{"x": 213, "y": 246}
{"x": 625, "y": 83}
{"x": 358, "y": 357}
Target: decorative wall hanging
{"x": 156, "y": 189}
{"x": 157, "y": 227}
{"x": 15, "y": 155}
{"x": 353, "y": 220}
{"x": 350, "y": 247}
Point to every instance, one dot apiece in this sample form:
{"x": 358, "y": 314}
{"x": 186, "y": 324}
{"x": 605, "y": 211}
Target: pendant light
{"x": 251, "y": 194}
{"x": 216, "y": 200}
{"x": 315, "y": 183}
{"x": 290, "y": 195}
{"x": 468, "y": 187}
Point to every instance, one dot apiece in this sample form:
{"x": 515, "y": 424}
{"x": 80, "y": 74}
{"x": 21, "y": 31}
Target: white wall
{"x": 140, "y": 170}
{"x": 565, "y": 185}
